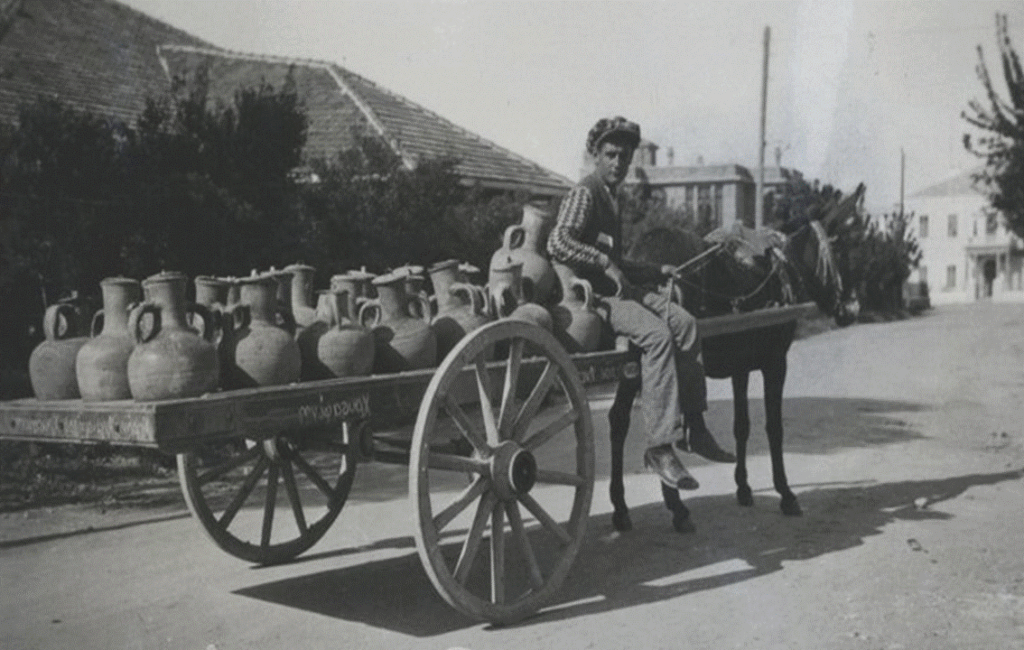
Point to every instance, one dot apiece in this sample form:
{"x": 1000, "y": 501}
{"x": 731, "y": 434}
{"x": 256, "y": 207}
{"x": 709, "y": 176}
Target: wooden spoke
{"x": 228, "y": 465}
{"x": 544, "y": 518}
{"x": 515, "y": 520}
{"x": 292, "y": 490}
{"x": 473, "y": 538}
{"x": 551, "y": 430}
{"x": 314, "y": 475}
{"x": 456, "y": 463}
{"x": 534, "y": 401}
{"x": 243, "y": 493}
{"x": 498, "y": 554}
{"x": 468, "y": 428}
{"x": 508, "y": 395}
{"x": 559, "y": 478}
{"x": 270, "y": 505}
{"x": 483, "y": 385}
{"x": 455, "y": 508}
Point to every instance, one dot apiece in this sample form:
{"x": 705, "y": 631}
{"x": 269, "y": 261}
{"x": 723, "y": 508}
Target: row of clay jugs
{"x": 577, "y": 324}
{"x": 460, "y": 307}
{"x": 403, "y": 340}
{"x": 170, "y": 359}
{"x": 101, "y": 366}
{"x": 525, "y": 243}
{"x": 260, "y": 351}
{"x": 508, "y": 299}
{"x": 51, "y": 366}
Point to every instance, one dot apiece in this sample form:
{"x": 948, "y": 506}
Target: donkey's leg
{"x": 618, "y": 426}
{"x": 741, "y": 431}
{"x": 774, "y": 379}
{"x": 680, "y": 513}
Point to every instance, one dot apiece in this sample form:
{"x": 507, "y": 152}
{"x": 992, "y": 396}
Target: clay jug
{"x": 577, "y": 324}
{"x": 102, "y": 364}
{"x": 302, "y": 294}
{"x": 507, "y": 299}
{"x": 262, "y": 352}
{"x": 345, "y": 349}
{"x": 460, "y": 307}
{"x": 170, "y": 360}
{"x": 526, "y": 243}
{"x": 403, "y": 341}
{"x": 51, "y": 366}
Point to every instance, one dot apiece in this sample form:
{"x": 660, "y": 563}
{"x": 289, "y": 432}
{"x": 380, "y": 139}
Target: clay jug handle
{"x": 425, "y": 314}
{"x": 511, "y": 241}
{"x": 51, "y": 321}
{"x": 473, "y": 296}
{"x": 135, "y": 321}
{"x": 588, "y": 291}
{"x": 287, "y": 318}
{"x": 237, "y": 317}
{"x": 97, "y": 323}
{"x": 209, "y": 327}
{"x": 370, "y": 304}
{"x": 503, "y": 302}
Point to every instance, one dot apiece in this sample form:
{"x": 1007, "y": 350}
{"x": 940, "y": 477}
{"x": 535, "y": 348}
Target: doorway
{"x": 988, "y": 274}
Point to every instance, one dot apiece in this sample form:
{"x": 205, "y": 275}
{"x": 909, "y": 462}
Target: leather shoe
{"x": 703, "y": 444}
{"x": 662, "y": 460}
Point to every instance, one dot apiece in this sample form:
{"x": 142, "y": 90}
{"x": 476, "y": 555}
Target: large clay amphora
{"x": 577, "y": 325}
{"x": 526, "y": 243}
{"x": 170, "y": 360}
{"x": 346, "y": 349}
{"x": 403, "y": 341}
{"x": 51, "y": 366}
{"x": 302, "y": 294}
{"x": 102, "y": 363}
{"x": 262, "y": 352}
{"x": 507, "y": 299}
{"x": 460, "y": 307}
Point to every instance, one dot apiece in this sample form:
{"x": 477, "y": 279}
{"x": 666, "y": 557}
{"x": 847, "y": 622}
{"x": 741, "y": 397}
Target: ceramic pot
{"x": 460, "y": 307}
{"x": 102, "y": 364}
{"x": 262, "y": 352}
{"x": 302, "y": 295}
{"x": 171, "y": 360}
{"x": 345, "y": 349}
{"x": 576, "y": 322}
{"x": 415, "y": 286}
{"x": 505, "y": 292}
{"x": 402, "y": 340}
{"x": 526, "y": 243}
{"x": 51, "y": 366}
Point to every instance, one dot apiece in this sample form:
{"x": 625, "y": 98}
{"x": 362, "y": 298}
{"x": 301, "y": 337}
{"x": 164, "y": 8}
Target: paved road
{"x": 904, "y": 442}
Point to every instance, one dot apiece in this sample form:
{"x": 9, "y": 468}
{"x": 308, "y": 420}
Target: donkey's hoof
{"x": 682, "y": 523}
{"x": 790, "y": 507}
{"x": 745, "y": 497}
{"x": 621, "y": 521}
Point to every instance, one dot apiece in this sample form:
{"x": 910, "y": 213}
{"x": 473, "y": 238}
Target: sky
{"x": 850, "y": 83}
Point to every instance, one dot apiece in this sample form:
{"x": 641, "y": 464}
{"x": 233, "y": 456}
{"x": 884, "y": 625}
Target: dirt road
{"x": 905, "y": 446}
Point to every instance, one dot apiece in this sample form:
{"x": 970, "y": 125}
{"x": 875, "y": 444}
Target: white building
{"x": 967, "y": 254}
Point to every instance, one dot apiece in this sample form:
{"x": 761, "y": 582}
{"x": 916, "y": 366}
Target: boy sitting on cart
{"x": 587, "y": 237}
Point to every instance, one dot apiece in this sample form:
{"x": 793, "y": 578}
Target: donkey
{"x": 721, "y": 285}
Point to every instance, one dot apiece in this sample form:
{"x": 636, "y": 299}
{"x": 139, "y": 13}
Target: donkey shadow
{"x": 652, "y": 564}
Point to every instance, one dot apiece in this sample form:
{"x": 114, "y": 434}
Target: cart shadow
{"x": 651, "y": 564}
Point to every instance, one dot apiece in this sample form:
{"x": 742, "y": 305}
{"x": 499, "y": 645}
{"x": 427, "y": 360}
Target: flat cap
{"x": 607, "y": 127}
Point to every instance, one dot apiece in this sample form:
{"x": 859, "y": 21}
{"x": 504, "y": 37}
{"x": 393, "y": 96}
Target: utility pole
{"x": 759, "y": 187}
{"x": 903, "y": 169}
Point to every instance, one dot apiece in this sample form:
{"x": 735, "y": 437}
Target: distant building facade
{"x": 967, "y": 252}
{"x": 720, "y": 195}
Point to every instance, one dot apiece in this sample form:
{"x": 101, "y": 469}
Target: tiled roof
{"x": 692, "y": 174}
{"x": 93, "y": 54}
{"x": 337, "y": 99}
{"x": 959, "y": 185}
{"x": 105, "y": 57}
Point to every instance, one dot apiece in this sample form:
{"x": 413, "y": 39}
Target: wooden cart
{"x": 500, "y": 453}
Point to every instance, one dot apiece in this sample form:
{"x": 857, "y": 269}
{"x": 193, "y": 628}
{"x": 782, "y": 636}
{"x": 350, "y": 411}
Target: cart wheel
{"x": 232, "y": 489}
{"x": 530, "y": 474}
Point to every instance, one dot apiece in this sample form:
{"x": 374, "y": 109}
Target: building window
{"x": 975, "y": 222}
{"x": 991, "y": 223}
{"x": 922, "y": 272}
{"x": 924, "y": 226}
{"x": 704, "y": 208}
{"x": 718, "y": 203}
{"x": 689, "y": 200}
{"x": 952, "y": 225}
{"x": 950, "y": 277}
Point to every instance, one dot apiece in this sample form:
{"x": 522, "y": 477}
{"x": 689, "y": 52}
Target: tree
{"x": 1002, "y": 120}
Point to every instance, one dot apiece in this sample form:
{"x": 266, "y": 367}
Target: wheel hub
{"x": 513, "y": 470}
